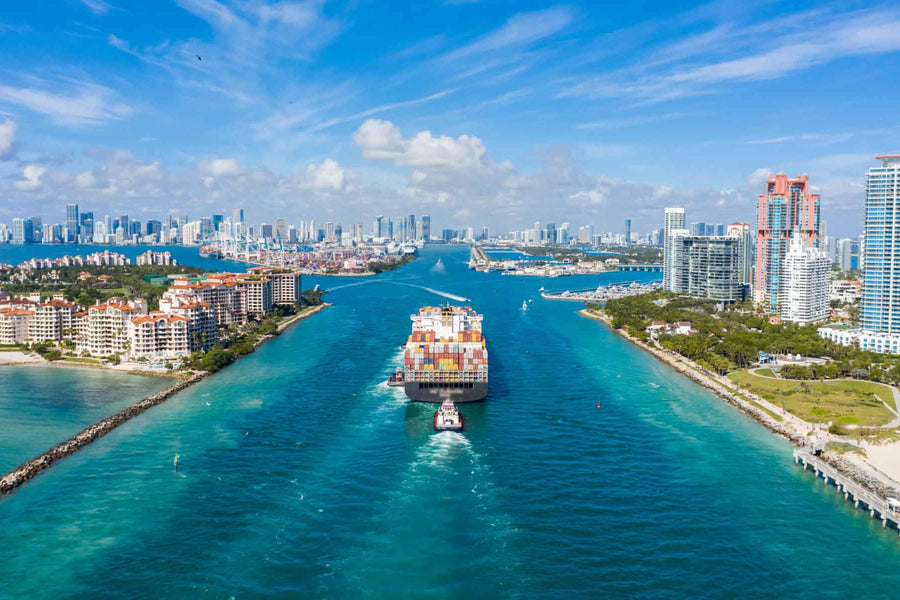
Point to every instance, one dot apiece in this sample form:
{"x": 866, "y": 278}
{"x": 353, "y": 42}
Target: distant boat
{"x": 542, "y": 289}
{"x": 524, "y": 305}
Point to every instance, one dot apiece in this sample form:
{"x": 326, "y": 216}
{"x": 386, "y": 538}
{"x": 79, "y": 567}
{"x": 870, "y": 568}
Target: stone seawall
{"x": 35, "y": 466}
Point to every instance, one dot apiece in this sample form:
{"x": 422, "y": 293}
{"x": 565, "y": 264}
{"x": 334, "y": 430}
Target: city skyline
{"x": 574, "y": 112}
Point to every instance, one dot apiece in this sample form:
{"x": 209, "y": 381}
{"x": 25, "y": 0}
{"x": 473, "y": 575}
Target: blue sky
{"x": 479, "y": 113}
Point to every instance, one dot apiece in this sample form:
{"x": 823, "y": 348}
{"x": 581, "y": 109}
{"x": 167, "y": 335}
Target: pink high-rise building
{"x": 787, "y": 205}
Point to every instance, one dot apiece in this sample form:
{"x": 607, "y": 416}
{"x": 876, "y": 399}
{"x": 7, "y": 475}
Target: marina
{"x": 605, "y": 292}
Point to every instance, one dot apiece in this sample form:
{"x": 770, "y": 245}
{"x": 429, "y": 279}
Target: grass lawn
{"x": 843, "y": 448}
{"x": 847, "y": 402}
{"x": 765, "y": 372}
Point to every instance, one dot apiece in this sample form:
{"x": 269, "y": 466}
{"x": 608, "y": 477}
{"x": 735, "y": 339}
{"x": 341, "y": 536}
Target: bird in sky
{"x": 198, "y": 57}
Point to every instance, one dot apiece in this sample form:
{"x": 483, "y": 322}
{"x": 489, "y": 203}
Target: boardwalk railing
{"x": 860, "y": 495}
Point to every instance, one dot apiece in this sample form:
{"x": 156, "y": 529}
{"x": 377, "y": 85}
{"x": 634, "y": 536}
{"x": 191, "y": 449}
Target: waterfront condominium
{"x": 742, "y": 232}
{"x": 705, "y": 266}
{"x": 787, "y": 205}
{"x": 880, "y": 308}
{"x": 880, "y": 257}
{"x": 674, "y": 220}
{"x": 805, "y": 285}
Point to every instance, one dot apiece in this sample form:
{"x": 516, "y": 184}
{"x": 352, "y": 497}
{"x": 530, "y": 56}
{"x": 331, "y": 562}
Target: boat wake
{"x": 433, "y": 291}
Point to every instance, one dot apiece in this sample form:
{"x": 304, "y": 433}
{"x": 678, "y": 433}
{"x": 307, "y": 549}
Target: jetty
{"x": 603, "y": 293}
{"x": 861, "y": 497}
{"x": 37, "y": 465}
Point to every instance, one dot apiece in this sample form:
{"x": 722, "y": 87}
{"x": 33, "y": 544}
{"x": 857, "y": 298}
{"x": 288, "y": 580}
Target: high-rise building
{"x": 216, "y": 221}
{"x": 281, "y": 229}
{"x": 411, "y": 228}
{"x": 86, "y": 224}
{"x": 267, "y": 230}
{"x": 426, "y": 228}
{"x": 237, "y": 215}
{"x": 72, "y": 223}
{"x": 705, "y": 266}
{"x": 880, "y": 304}
{"x": 378, "y": 228}
{"x": 674, "y": 219}
{"x": 627, "y": 231}
{"x": 154, "y": 227}
{"x": 805, "y": 282}
{"x": 742, "y": 232}
{"x": 845, "y": 254}
{"x": 788, "y": 204}
{"x": 19, "y": 235}
{"x": 698, "y": 228}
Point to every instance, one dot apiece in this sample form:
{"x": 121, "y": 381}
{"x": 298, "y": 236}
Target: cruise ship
{"x": 446, "y": 359}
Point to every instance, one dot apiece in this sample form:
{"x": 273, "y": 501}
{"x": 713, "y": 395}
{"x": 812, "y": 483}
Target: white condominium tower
{"x": 880, "y": 308}
{"x": 674, "y": 220}
{"x": 805, "y": 282}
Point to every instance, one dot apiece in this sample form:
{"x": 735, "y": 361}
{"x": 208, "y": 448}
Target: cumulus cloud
{"x": 382, "y": 140}
{"x": 328, "y": 176}
{"x": 759, "y": 177}
{"x": 31, "y": 178}
{"x": 220, "y": 167}
{"x": 7, "y": 138}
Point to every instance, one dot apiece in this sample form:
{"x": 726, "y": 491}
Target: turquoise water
{"x": 42, "y": 406}
{"x": 303, "y": 475}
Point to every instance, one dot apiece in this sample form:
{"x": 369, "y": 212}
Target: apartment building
{"x": 158, "y": 336}
{"x": 102, "y": 330}
{"x": 805, "y": 283}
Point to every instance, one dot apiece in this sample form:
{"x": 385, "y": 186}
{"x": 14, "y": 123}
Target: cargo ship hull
{"x": 439, "y": 392}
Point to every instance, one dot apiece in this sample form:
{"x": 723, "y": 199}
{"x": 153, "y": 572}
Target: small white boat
{"x": 448, "y": 418}
{"x": 542, "y": 289}
{"x": 524, "y": 305}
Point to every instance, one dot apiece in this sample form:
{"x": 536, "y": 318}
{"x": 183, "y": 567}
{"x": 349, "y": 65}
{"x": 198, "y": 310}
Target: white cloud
{"x": 31, "y": 178}
{"x": 382, "y": 140}
{"x": 220, "y": 167}
{"x": 84, "y": 104}
{"x": 7, "y": 138}
{"x": 519, "y": 30}
{"x": 826, "y": 37}
{"x": 328, "y": 176}
{"x": 98, "y": 7}
{"x": 759, "y": 177}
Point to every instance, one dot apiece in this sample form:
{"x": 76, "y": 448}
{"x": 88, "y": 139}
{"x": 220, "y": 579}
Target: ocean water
{"x": 303, "y": 475}
{"x": 42, "y": 406}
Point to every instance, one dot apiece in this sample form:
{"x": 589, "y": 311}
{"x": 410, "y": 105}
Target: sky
{"x": 497, "y": 113}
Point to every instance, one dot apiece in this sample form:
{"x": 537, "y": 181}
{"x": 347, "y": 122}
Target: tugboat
{"x": 448, "y": 418}
{"x": 396, "y": 379}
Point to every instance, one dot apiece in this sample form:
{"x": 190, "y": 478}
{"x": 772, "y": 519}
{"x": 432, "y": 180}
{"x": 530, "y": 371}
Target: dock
{"x": 861, "y": 497}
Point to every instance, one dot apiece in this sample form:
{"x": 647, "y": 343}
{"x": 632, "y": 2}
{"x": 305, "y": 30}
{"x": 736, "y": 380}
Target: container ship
{"x": 446, "y": 359}
{"x": 211, "y": 252}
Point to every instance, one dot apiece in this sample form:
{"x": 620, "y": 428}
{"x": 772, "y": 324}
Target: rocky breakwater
{"x": 35, "y": 466}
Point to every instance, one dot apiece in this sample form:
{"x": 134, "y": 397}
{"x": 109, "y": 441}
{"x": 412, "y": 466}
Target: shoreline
{"x": 34, "y": 467}
{"x": 857, "y": 469}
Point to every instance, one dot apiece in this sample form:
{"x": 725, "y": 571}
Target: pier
{"x": 852, "y": 491}
{"x": 643, "y": 268}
